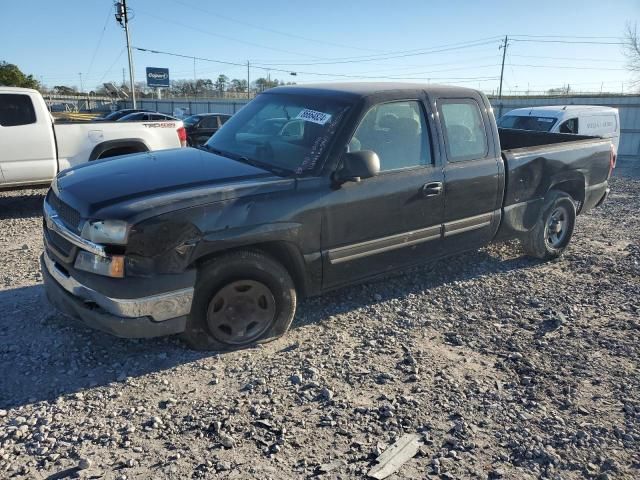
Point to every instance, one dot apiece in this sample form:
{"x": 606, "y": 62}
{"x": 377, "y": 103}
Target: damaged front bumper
{"x": 150, "y": 316}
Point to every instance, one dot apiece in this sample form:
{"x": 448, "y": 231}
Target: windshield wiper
{"x": 265, "y": 166}
{"x": 249, "y": 161}
{"x": 216, "y": 151}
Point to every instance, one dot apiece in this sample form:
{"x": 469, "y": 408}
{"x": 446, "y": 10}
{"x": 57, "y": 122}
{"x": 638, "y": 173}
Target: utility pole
{"x": 195, "y": 80}
{"x": 122, "y": 16}
{"x": 81, "y": 86}
{"x": 248, "y": 82}
{"x": 504, "y": 54}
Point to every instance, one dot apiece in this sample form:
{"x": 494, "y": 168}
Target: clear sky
{"x": 451, "y": 41}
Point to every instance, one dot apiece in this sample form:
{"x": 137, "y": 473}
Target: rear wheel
{"x": 554, "y": 229}
{"x": 241, "y": 298}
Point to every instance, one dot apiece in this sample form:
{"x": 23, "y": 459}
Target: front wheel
{"x": 554, "y": 229}
{"x": 241, "y": 298}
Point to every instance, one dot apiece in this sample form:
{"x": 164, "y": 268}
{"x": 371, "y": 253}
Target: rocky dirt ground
{"x": 506, "y": 367}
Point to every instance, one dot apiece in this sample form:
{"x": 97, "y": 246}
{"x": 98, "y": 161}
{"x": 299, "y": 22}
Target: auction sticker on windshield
{"x": 314, "y": 116}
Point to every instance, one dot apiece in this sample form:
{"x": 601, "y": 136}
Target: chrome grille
{"x": 69, "y": 216}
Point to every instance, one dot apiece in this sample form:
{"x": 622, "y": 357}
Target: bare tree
{"x": 632, "y": 51}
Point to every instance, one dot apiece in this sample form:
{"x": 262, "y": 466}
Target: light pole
{"x": 81, "y": 86}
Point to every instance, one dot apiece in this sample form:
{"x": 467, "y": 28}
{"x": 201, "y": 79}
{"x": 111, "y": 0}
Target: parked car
{"x": 220, "y": 243}
{"x": 577, "y": 119}
{"x": 200, "y": 127}
{"x": 146, "y": 116}
{"x": 117, "y": 115}
{"x": 34, "y": 148}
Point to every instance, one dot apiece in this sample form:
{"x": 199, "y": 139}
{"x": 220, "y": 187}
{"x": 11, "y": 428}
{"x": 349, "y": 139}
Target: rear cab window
{"x": 16, "y": 110}
{"x": 464, "y": 130}
{"x": 535, "y": 123}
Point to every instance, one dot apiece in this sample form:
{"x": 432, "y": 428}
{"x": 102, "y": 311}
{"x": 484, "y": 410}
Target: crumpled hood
{"x": 125, "y": 185}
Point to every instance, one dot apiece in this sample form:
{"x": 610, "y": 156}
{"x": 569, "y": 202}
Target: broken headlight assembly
{"x": 109, "y": 232}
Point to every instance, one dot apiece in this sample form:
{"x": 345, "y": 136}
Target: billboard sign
{"x": 157, "y": 77}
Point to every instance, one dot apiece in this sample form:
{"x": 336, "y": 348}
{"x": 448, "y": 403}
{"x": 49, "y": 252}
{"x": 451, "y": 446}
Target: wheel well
{"x": 575, "y": 189}
{"x": 114, "y": 152}
{"x": 111, "y": 148}
{"x": 286, "y": 254}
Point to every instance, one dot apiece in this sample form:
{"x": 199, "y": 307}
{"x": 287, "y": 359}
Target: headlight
{"x": 112, "y": 266}
{"x": 113, "y": 232}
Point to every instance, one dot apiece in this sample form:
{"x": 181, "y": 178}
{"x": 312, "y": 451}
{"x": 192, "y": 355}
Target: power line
{"x": 566, "y": 58}
{"x": 113, "y": 64}
{"x": 587, "y": 42}
{"x": 404, "y": 67}
{"x": 568, "y": 67}
{"x": 326, "y": 61}
{"x": 492, "y": 65}
{"x": 386, "y": 64}
{"x": 409, "y": 53}
{"x": 373, "y": 57}
{"x": 448, "y": 80}
{"x": 104, "y": 28}
{"x": 224, "y": 62}
{"x": 565, "y": 36}
{"x": 218, "y": 35}
{"x": 271, "y": 30}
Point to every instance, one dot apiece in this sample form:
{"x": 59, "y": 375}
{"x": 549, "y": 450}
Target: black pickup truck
{"x": 305, "y": 189}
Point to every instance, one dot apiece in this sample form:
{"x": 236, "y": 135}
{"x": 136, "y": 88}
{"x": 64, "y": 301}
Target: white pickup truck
{"x": 34, "y": 148}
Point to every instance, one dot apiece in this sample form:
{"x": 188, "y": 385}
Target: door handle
{"x": 431, "y": 189}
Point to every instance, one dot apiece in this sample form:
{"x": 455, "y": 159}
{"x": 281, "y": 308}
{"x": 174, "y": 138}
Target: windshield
{"x": 131, "y": 116}
{"x": 190, "y": 121}
{"x": 111, "y": 115}
{"x": 281, "y": 132}
{"x": 539, "y": 124}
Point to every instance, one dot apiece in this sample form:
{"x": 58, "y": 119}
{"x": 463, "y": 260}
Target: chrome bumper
{"x": 159, "y": 307}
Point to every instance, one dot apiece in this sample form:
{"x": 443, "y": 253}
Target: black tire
{"x": 554, "y": 229}
{"x": 235, "y": 279}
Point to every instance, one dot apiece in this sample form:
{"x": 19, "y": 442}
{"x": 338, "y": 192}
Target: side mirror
{"x": 357, "y": 166}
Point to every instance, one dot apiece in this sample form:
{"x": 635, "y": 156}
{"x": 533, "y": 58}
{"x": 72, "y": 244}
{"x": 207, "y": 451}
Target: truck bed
{"x": 536, "y": 162}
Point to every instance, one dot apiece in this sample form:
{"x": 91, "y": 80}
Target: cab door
{"x": 473, "y": 173}
{"x": 27, "y": 146}
{"x": 395, "y": 218}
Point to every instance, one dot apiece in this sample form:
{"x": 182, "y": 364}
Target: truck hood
{"x": 125, "y": 186}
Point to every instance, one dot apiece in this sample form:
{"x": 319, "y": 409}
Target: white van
{"x": 590, "y": 120}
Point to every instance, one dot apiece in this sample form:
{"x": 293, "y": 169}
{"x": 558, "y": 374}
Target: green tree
{"x": 204, "y": 86}
{"x": 12, "y": 76}
{"x": 221, "y": 83}
{"x": 238, "y": 85}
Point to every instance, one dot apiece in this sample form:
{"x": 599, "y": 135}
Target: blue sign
{"x": 157, "y": 77}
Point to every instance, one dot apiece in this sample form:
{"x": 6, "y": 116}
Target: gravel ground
{"x": 506, "y": 367}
